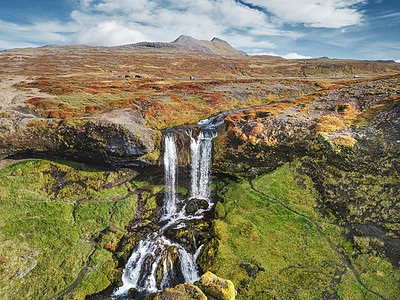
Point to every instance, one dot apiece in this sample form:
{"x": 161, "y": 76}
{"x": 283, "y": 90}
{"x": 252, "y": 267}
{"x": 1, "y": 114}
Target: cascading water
{"x": 170, "y": 168}
{"x": 157, "y": 262}
{"x": 200, "y": 157}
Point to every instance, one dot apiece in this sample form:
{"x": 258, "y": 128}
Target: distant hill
{"x": 182, "y": 58}
{"x": 189, "y": 44}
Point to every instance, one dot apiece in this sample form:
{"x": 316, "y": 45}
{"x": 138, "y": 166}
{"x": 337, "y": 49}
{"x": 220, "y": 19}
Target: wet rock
{"x": 170, "y": 261}
{"x": 208, "y": 254}
{"x": 191, "y": 236}
{"x": 133, "y": 293}
{"x": 216, "y": 287}
{"x": 195, "y": 204}
{"x": 185, "y": 291}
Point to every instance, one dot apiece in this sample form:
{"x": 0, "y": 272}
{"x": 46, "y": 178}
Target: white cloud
{"x": 315, "y": 13}
{"x": 398, "y": 61}
{"x": 116, "y": 22}
{"x": 166, "y": 20}
{"x": 391, "y": 15}
{"x": 30, "y": 35}
{"x": 293, "y": 55}
{"x": 290, "y": 55}
{"x": 108, "y": 33}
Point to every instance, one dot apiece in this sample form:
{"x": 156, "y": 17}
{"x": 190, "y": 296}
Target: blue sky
{"x": 360, "y": 29}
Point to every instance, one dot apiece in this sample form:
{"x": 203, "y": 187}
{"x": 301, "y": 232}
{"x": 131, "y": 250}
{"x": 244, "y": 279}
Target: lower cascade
{"x": 158, "y": 262}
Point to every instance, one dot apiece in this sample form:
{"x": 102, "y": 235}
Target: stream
{"x": 159, "y": 262}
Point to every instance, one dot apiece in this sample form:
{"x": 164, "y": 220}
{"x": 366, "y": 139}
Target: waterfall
{"x": 200, "y": 158}
{"x": 157, "y": 262}
{"x": 170, "y": 169}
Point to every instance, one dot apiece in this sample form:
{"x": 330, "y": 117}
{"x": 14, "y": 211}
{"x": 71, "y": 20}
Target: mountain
{"x": 189, "y": 44}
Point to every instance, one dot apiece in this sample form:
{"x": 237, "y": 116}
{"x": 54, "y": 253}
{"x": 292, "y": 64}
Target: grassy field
{"x": 274, "y": 244}
{"x": 55, "y": 219}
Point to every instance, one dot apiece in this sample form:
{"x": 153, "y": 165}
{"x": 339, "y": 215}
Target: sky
{"x": 353, "y": 29}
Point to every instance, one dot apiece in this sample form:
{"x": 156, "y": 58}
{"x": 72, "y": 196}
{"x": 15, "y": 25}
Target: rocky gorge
{"x": 304, "y": 186}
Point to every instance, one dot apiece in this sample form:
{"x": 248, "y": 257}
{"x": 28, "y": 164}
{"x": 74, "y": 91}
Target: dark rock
{"x": 208, "y": 254}
{"x": 194, "y": 205}
{"x": 170, "y": 260}
{"x": 252, "y": 269}
{"x": 133, "y": 293}
{"x": 194, "y": 234}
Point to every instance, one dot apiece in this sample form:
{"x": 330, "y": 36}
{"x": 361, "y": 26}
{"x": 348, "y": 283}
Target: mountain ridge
{"x": 185, "y": 43}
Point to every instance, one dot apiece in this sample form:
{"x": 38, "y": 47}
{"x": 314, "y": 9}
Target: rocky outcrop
{"x": 117, "y": 138}
{"x": 185, "y": 291}
{"x": 259, "y": 140}
{"x": 209, "y": 286}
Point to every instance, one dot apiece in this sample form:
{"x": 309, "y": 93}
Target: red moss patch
{"x": 93, "y": 109}
{"x": 110, "y": 247}
{"x": 257, "y": 129}
{"x": 38, "y": 124}
{"x": 118, "y": 103}
{"x": 43, "y": 103}
{"x": 65, "y": 113}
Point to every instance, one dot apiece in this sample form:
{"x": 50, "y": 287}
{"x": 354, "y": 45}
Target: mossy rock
{"x": 216, "y": 287}
{"x": 195, "y": 204}
{"x": 208, "y": 254}
{"x": 185, "y": 291}
{"x": 219, "y": 211}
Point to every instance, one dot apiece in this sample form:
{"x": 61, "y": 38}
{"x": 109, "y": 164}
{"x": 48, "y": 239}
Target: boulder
{"x": 194, "y": 205}
{"x": 185, "y": 291}
{"x": 214, "y": 286}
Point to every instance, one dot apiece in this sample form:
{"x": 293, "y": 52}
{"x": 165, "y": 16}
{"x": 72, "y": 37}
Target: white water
{"x": 200, "y": 157}
{"x": 141, "y": 268}
{"x": 170, "y": 169}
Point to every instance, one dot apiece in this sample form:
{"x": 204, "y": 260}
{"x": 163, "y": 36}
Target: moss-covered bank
{"x": 62, "y": 226}
{"x": 274, "y": 243}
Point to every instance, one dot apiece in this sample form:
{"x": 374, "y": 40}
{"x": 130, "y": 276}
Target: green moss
{"x": 378, "y": 275}
{"x": 270, "y": 247}
{"x": 40, "y": 224}
{"x": 219, "y": 211}
{"x": 98, "y": 275}
{"x": 181, "y": 190}
{"x": 49, "y": 229}
{"x": 124, "y": 210}
{"x": 216, "y": 287}
{"x": 43, "y": 180}
{"x": 92, "y": 217}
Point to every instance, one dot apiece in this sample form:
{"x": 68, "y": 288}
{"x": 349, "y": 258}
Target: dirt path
{"x": 10, "y": 97}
